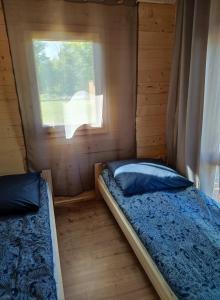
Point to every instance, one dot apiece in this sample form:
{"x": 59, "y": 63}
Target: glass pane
{"x": 66, "y": 83}
{"x": 216, "y": 194}
{"x": 216, "y": 190}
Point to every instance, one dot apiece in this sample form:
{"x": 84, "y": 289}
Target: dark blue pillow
{"x": 113, "y": 165}
{"x": 19, "y": 193}
{"x": 138, "y": 176}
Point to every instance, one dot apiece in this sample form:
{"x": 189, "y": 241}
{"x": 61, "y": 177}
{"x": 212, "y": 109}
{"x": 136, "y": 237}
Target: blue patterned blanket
{"x": 26, "y": 255}
{"x": 181, "y": 231}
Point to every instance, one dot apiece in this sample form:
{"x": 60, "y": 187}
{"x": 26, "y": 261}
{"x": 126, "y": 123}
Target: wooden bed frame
{"x": 46, "y": 174}
{"x": 158, "y": 281}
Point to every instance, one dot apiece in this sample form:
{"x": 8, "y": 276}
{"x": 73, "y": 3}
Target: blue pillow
{"x": 113, "y": 165}
{"x": 19, "y": 193}
{"x": 137, "y": 177}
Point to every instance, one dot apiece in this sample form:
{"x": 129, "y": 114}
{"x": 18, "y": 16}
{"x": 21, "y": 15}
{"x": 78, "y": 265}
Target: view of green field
{"x": 52, "y": 112}
{"x": 63, "y": 69}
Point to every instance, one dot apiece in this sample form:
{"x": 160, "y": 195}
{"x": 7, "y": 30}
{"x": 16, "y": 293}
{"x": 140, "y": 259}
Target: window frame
{"x": 58, "y": 35}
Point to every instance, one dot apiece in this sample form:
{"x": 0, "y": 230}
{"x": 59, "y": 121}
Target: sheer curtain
{"x": 75, "y": 69}
{"x": 194, "y": 105}
{"x": 210, "y": 141}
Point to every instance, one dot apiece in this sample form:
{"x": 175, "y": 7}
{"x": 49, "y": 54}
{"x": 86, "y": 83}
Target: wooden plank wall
{"x": 156, "y": 27}
{"x": 155, "y": 42}
{"x": 12, "y": 149}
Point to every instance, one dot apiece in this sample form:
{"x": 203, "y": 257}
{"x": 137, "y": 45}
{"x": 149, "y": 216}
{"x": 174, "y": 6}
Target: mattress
{"x": 26, "y": 254}
{"x": 180, "y": 229}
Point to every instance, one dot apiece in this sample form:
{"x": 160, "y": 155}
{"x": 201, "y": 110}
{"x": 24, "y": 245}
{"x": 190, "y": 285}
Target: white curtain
{"x": 93, "y": 122}
{"x": 209, "y": 157}
{"x": 91, "y": 114}
{"x": 193, "y": 117}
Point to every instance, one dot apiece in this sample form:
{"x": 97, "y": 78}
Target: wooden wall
{"x": 156, "y": 27}
{"x": 12, "y": 149}
{"x": 156, "y": 33}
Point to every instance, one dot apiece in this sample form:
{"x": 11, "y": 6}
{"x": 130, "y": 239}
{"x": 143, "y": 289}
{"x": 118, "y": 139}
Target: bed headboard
{"x": 46, "y": 175}
{"x": 98, "y": 169}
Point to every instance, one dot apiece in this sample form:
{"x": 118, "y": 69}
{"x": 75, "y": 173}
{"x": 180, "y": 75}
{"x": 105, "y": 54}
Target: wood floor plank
{"x": 96, "y": 260}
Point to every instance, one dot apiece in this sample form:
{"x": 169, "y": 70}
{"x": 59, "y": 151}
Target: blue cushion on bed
{"x": 19, "y": 193}
{"x": 139, "y": 176}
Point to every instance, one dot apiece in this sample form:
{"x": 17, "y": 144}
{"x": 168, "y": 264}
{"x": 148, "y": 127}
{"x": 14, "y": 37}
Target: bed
{"x": 30, "y": 264}
{"x": 194, "y": 284}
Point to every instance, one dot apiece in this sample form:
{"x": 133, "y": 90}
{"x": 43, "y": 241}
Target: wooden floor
{"x": 96, "y": 260}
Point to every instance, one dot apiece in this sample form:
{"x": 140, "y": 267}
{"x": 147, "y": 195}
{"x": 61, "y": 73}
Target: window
{"x": 68, "y": 83}
{"x": 216, "y": 167}
{"x": 216, "y": 189}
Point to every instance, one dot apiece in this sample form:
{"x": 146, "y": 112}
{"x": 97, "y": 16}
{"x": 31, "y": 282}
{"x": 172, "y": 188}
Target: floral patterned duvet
{"x": 181, "y": 231}
{"x": 26, "y": 256}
